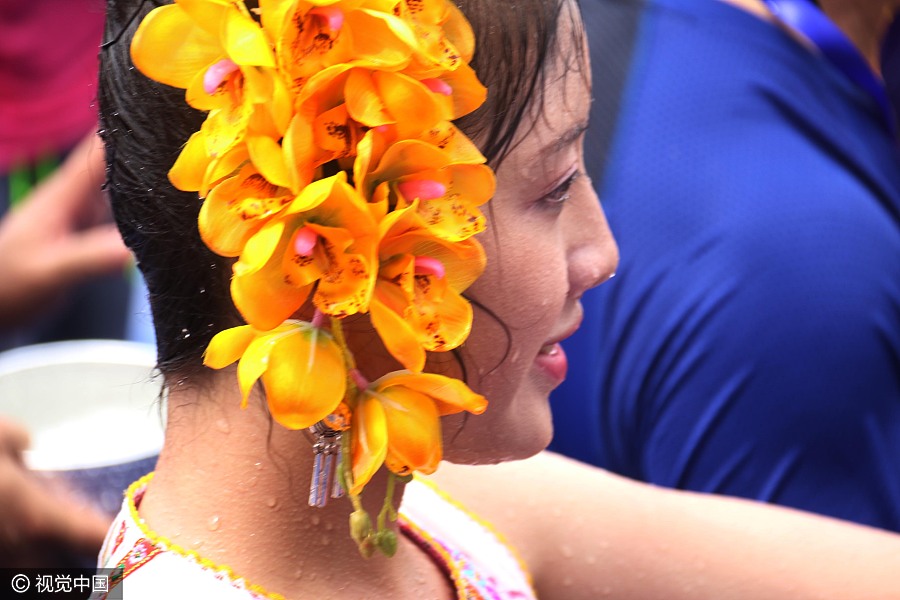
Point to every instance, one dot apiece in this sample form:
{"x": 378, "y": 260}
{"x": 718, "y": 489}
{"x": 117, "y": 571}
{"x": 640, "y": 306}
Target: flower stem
{"x": 337, "y": 330}
{"x": 347, "y": 472}
{"x": 387, "y": 509}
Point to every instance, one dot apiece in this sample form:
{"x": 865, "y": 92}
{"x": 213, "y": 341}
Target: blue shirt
{"x": 750, "y": 343}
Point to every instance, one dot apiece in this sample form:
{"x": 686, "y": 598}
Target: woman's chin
{"x": 474, "y": 445}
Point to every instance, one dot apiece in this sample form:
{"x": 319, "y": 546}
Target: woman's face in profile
{"x": 547, "y": 243}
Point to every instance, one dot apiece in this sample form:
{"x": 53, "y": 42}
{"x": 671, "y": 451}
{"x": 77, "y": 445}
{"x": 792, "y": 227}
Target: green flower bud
{"x": 360, "y": 526}
{"x": 366, "y": 547}
{"x": 386, "y": 540}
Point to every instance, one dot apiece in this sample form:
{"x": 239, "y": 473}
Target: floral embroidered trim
{"x": 439, "y": 553}
{"x": 459, "y": 571}
{"x": 481, "y": 521}
{"x": 140, "y": 554}
{"x": 331, "y": 171}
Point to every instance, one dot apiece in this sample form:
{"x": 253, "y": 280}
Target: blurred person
{"x": 62, "y": 263}
{"x": 750, "y": 343}
{"x": 48, "y": 72}
{"x": 40, "y": 526}
{"x": 49, "y": 243}
{"x": 59, "y": 237}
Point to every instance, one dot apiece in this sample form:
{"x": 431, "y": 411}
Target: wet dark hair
{"x": 144, "y": 124}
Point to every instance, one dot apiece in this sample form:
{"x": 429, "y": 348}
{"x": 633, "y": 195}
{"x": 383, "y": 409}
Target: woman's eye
{"x": 560, "y": 194}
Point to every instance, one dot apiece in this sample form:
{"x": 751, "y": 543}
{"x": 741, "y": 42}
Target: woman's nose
{"x": 593, "y": 253}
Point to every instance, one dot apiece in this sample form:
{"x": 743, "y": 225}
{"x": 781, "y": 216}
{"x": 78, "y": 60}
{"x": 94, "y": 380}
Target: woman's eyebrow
{"x": 569, "y": 137}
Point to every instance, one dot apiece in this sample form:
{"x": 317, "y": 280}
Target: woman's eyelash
{"x": 560, "y": 194}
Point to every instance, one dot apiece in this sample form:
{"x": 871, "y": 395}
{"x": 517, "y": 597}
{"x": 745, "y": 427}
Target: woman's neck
{"x": 233, "y": 486}
{"x": 865, "y": 22}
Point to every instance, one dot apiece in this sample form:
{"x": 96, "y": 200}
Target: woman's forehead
{"x": 559, "y": 114}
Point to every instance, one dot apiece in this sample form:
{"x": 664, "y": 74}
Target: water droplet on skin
{"x": 272, "y": 502}
{"x": 311, "y": 577}
{"x": 223, "y": 426}
{"x": 298, "y": 573}
{"x": 258, "y": 466}
{"x": 315, "y": 520}
{"x": 213, "y": 523}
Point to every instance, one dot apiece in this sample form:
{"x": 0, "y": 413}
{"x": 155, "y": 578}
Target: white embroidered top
{"x": 478, "y": 563}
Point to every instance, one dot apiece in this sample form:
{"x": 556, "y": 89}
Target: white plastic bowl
{"x": 92, "y": 408}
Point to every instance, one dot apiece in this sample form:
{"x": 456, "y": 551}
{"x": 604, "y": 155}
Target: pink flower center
{"x": 438, "y": 86}
{"x": 423, "y": 189}
{"x": 425, "y": 265}
{"x": 331, "y": 15}
{"x": 217, "y": 73}
{"x": 305, "y": 241}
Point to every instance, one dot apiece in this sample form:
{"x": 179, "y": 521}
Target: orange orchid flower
{"x": 237, "y": 208}
{"x": 445, "y": 37}
{"x": 301, "y": 367}
{"x": 448, "y": 193}
{"x": 217, "y": 52}
{"x": 397, "y": 423}
{"x": 339, "y": 105}
{"x": 323, "y": 243}
{"x": 417, "y": 304}
{"x": 312, "y": 35}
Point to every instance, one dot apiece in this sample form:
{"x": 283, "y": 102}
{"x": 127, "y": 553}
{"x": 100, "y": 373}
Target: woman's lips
{"x": 552, "y": 360}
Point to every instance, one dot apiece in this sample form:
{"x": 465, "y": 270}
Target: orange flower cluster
{"x": 331, "y": 170}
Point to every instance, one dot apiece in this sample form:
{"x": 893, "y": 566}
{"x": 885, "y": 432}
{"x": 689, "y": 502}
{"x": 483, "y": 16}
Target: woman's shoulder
{"x": 551, "y": 510}
{"x": 476, "y": 557}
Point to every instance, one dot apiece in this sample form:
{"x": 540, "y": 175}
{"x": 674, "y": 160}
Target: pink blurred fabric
{"x": 48, "y": 74}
